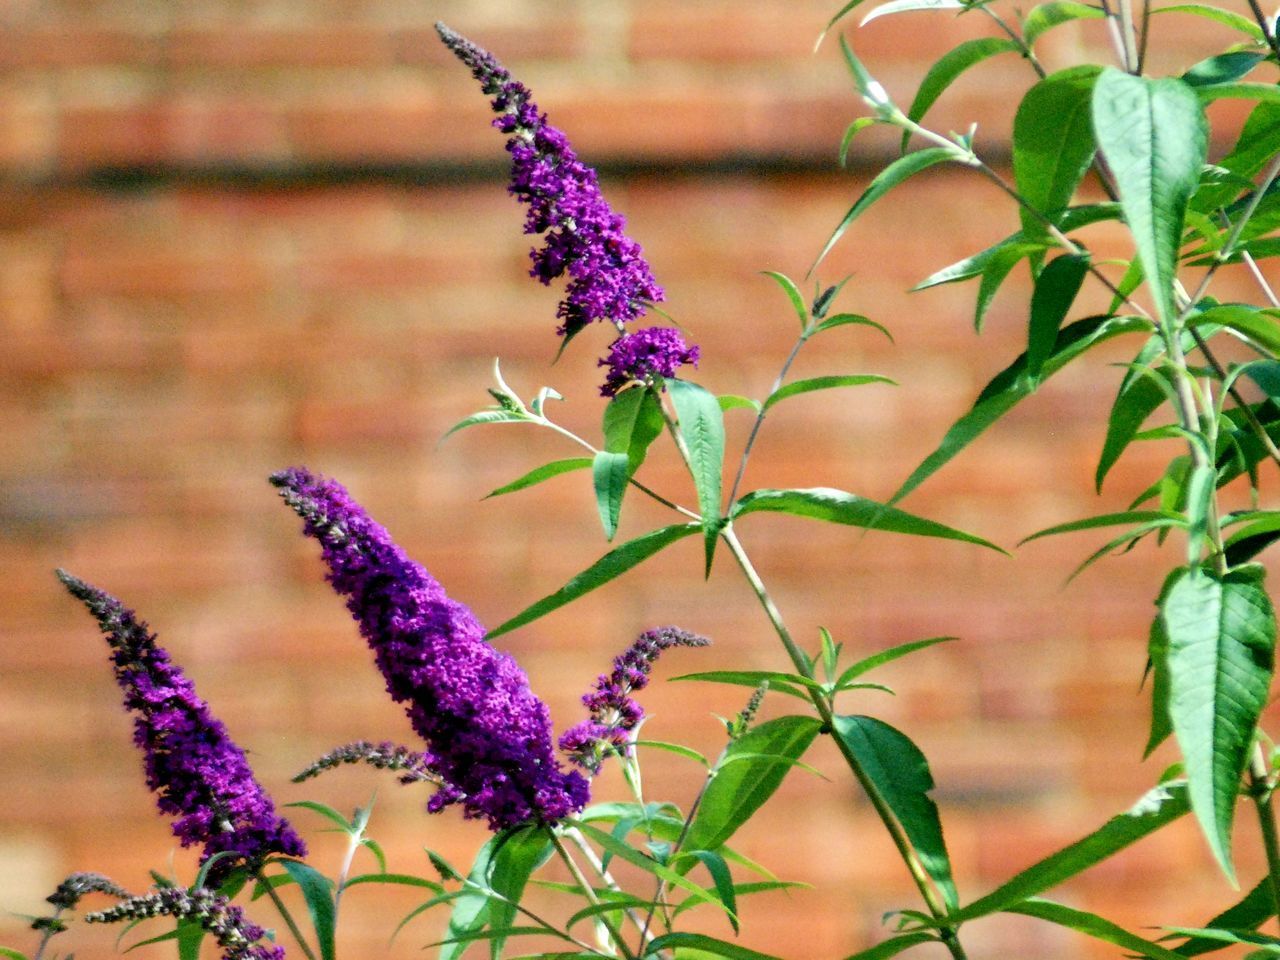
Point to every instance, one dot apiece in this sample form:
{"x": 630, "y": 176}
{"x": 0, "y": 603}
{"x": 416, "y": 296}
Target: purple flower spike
{"x": 645, "y": 356}
{"x": 608, "y": 276}
{"x": 238, "y": 937}
{"x": 198, "y": 772}
{"x": 489, "y": 737}
{"x": 612, "y": 711}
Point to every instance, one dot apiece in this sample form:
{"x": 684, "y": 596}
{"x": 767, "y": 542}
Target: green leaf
{"x": 1158, "y": 807}
{"x": 624, "y": 851}
{"x": 1161, "y": 517}
{"x": 317, "y": 891}
{"x": 778, "y": 682}
{"x": 844, "y": 320}
{"x": 518, "y": 854}
{"x": 851, "y": 131}
{"x": 1259, "y": 324}
{"x": 1055, "y": 291}
{"x": 840, "y": 15}
{"x": 837, "y": 506}
{"x": 793, "y": 294}
{"x": 397, "y": 879}
{"x": 487, "y": 416}
{"x": 1228, "y": 18}
{"x": 1224, "y": 68}
{"x": 609, "y": 476}
{"x": 949, "y": 67}
{"x": 544, "y": 472}
{"x": 326, "y": 811}
{"x": 613, "y": 564}
{"x": 1094, "y": 926}
{"x": 822, "y": 383}
{"x": 1158, "y": 667}
{"x": 740, "y": 789}
{"x": 900, "y": 774}
{"x": 632, "y": 421}
{"x": 1139, "y": 396}
{"x": 1256, "y": 908}
{"x": 1049, "y": 15}
{"x": 885, "y": 656}
{"x": 1265, "y": 92}
{"x": 1222, "y": 635}
{"x": 681, "y": 751}
{"x": 901, "y": 169}
{"x": 1052, "y": 144}
{"x": 721, "y": 880}
{"x": 1154, "y": 137}
{"x": 12, "y": 954}
{"x": 703, "y": 943}
{"x": 893, "y": 946}
{"x": 730, "y": 401}
{"x": 1012, "y": 385}
{"x": 189, "y": 935}
{"x": 702, "y": 427}
{"x": 905, "y": 6}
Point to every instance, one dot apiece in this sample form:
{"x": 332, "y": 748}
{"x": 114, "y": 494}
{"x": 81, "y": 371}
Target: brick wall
{"x": 235, "y": 236}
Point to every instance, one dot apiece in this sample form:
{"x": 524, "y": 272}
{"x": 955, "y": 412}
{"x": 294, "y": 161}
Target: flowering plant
{"x": 638, "y": 866}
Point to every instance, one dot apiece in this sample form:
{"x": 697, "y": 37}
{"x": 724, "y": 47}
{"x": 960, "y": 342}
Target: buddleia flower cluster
{"x": 410, "y": 764}
{"x": 488, "y": 736}
{"x": 612, "y": 711}
{"x": 237, "y": 936}
{"x": 609, "y": 278}
{"x": 199, "y": 774}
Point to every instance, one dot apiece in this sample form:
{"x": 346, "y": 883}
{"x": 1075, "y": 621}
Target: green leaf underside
{"x": 1154, "y": 137}
{"x": 702, "y": 427}
{"x": 1139, "y": 396}
{"x": 907, "y": 6}
{"x": 613, "y": 564}
{"x": 1158, "y": 807}
{"x": 609, "y": 477}
{"x": 738, "y": 791}
{"x": 1259, "y": 324}
{"x": 1224, "y": 68}
{"x": 901, "y": 169}
{"x": 1221, "y": 648}
{"x": 822, "y": 383}
{"x": 1254, "y": 909}
{"x": 837, "y": 506}
{"x": 317, "y": 892}
{"x": 487, "y": 416}
{"x": 1052, "y": 144}
{"x": 722, "y": 881}
{"x": 502, "y": 866}
{"x": 948, "y": 68}
{"x": 900, "y": 774}
{"x": 1094, "y": 926}
{"x": 1012, "y": 385}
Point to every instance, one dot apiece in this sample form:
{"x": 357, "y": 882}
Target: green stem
{"x": 760, "y": 415}
{"x": 1261, "y": 792}
{"x": 286, "y": 915}
{"x": 896, "y": 833}
{"x": 1023, "y": 47}
{"x": 587, "y": 891}
{"x": 603, "y": 873}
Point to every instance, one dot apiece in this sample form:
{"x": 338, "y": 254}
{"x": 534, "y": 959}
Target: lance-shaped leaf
{"x": 1052, "y": 144}
{"x": 1221, "y": 633}
{"x": 837, "y": 506}
{"x": 1092, "y": 925}
{"x": 1011, "y": 386}
{"x": 1258, "y": 142}
{"x": 950, "y": 66}
{"x": 900, "y": 774}
{"x": 1154, "y": 137}
{"x": 1055, "y": 291}
{"x": 702, "y": 428}
{"x": 1055, "y": 13}
{"x": 1158, "y": 807}
{"x": 609, "y": 478}
{"x": 499, "y": 873}
{"x": 901, "y": 169}
{"x": 1250, "y": 912}
{"x": 797, "y": 387}
{"x": 544, "y": 472}
{"x": 739, "y": 789}
{"x": 1228, "y": 18}
{"x": 613, "y": 564}
{"x": 1224, "y": 68}
{"x": 317, "y": 891}
{"x": 700, "y": 945}
{"x": 1139, "y": 396}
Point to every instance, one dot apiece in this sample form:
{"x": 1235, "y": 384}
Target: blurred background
{"x": 240, "y": 235}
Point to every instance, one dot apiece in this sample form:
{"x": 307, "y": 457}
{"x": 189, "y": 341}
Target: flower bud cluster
{"x": 237, "y": 936}
{"x": 410, "y": 764}
{"x": 70, "y": 890}
{"x": 613, "y": 713}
